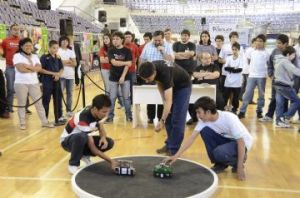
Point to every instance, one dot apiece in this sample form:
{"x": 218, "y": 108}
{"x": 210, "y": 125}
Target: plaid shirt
{"x": 150, "y": 52}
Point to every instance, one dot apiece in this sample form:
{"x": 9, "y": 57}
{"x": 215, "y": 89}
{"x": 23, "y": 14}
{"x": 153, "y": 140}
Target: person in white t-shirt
{"x": 68, "y": 58}
{"x": 258, "y": 60}
{"x": 233, "y": 82}
{"x": 226, "y": 139}
{"x": 27, "y": 65}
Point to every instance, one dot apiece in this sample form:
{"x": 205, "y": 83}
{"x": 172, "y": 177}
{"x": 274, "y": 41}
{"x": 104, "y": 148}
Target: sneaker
{"x": 22, "y": 127}
{"x": 150, "y": 121}
{"x": 162, "y": 150}
{"x": 69, "y": 114}
{"x": 48, "y": 125}
{"x": 72, "y": 169}
{"x": 129, "y": 119}
{"x": 285, "y": 120}
{"x": 218, "y": 168}
{"x": 252, "y": 103}
{"x": 86, "y": 159}
{"x": 5, "y": 115}
{"x": 266, "y": 119}
{"x": 259, "y": 115}
{"x": 190, "y": 121}
{"x": 59, "y": 123}
{"x": 280, "y": 124}
{"x": 28, "y": 112}
{"x": 62, "y": 119}
{"x": 241, "y": 115}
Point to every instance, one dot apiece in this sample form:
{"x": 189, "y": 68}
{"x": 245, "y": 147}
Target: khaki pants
{"x": 34, "y": 91}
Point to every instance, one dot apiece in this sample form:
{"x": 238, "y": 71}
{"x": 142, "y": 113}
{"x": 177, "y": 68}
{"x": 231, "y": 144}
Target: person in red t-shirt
{"x": 105, "y": 65}
{"x": 128, "y": 43}
{"x": 147, "y": 38}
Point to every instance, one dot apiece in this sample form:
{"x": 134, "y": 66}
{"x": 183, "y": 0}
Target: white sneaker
{"x": 281, "y": 124}
{"x": 62, "y": 119}
{"x": 266, "y": 119}
{"x": 69, "y": 114}
{"x": 72, "y": 169}
{"x": 86, "y": 160}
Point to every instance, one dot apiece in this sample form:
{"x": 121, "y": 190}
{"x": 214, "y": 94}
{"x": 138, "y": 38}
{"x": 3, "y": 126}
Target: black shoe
{"x": 259, "y": 115}
{"x": 150, "y": 121}
{"x": 162, "y": 150}
{"x": 59, "y": 123}
{"x": 241, "y": 115}
{"x": 28, "y": 112}
{"x": 218, "y": 168}
{"x": 252, "y": 103}
{"x": 190, "y": 121}
{"x": 129, "y": 119}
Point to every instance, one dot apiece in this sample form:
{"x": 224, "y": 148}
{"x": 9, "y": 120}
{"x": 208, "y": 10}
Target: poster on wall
{"x": 221, "y": 29}
{"x": 2, "y": 31}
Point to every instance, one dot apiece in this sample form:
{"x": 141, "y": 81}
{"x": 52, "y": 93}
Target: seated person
{"x": 207, "y": 72}
{"x": 75, "y": 138}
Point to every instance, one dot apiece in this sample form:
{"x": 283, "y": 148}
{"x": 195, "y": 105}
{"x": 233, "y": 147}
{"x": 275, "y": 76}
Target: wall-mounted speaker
{"x": 102, "y": 16}
{"x": 43, "y": 4}
{"x": 122, "y": 22}
{"x": 66, "y": 27}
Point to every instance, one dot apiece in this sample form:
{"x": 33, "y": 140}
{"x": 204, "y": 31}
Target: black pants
{"x": 219, "y": 103}
{"x": 235, "y": 91}
{"x": 57, "y": 100}
{"x": 151, "y": 111}
{"x": 77, "y": 145}
{"x": 3, "y": 101}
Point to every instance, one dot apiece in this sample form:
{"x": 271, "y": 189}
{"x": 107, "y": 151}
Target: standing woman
{"x": 27, "y": 65}
{"x": 68, "y": 58}
{"x": 205, "y": 46}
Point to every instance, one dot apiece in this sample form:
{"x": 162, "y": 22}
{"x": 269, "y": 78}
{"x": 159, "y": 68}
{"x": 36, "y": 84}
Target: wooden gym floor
{"x": 34, "y": 165}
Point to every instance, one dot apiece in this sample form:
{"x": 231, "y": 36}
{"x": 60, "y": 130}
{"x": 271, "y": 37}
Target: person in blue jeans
{"x": 226, "y": 138}
{"x": 175, "y": 87}
{"x": 283, "y": 83}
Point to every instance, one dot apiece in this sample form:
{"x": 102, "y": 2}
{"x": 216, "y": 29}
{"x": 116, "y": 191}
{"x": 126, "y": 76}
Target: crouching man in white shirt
{"x": 226, "y": 139}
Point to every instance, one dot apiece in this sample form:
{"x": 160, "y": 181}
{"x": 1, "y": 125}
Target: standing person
{"x": 184, "y": 52}
{"x": 68, "y": 58}
{"x": 168, "y": 36}
{"x": 219, "y": 39}
{"x": 128, "y": 43}
{"x": 258, "y": 61}
{"x": 75, "y": 47}
{"x": 3, "y": 102}
{"x": 147, "y": 38}
{"x": 157, "y": 49}
{"x": 281, "y": 43}
{"x": 26, "y": 81}
{"x": 283, "y": 83}
{"x": 226, "y": 139}
{"x": 206, "y": 46}
{"x": 75, "y": 138}
{"x": 121, "y": 59}
{"x": 233, "y": 81}
{"x": 52, "y": 69}
{"x": 207, "y": 72}
{"x": 9, "y": 47}
{"x": 175, "y": 87}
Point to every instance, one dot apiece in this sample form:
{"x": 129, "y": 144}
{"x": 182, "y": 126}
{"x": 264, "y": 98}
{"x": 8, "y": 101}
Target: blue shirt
{"x": 50, "y": 63}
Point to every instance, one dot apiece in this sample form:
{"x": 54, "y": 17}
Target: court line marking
{"x": 54, "y": 167}
{"x": 21, "y": 140}
{"x": 260, "y": 189}
{"x": 36, "y": 178}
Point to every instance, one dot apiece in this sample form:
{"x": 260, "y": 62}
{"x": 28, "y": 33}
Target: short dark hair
{"x": 128, "y": 33}
{"x": 234, "y": 33}
{"x": 52, "y": 42}
{"x": 148, "y": 34}
{"x": 118, "y": 34}
{"x": 221, "y": 37}
{"x": 167, "y": 30}
{"x": 13, "y": 25}
{"x": 159, "y": 33}
{"x": 185, "y": 31}
{"x": 207, "y": 33}
{"x": 64, "y": 38}
{"x": 22, "y": 42}
{"x": 236, "y": 45}
{"x": 283, "y": 38}
{"x": 288, "y": 50}
{"x": 101, "y": 101}
{"x": 262, "y": 37}
{"x": 253, "y": 40}
{"x": 207, "y": 104}
{"x": 146, "y": 69}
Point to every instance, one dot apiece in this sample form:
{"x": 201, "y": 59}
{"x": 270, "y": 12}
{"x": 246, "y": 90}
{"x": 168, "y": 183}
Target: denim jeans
{"x": 77, "y": 145}
{"x": 10, "y": 81}
{"x": 283, "y": 93}
{"x": 219, "y": 149}
{"x": 175, "y": 123}
{"x": 260, "y": 83}
{"x": 105, "y": 77}
{"x": 68, "y": 84}
{"x": 125, "y": 88}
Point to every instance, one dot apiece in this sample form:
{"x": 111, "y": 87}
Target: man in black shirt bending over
{"x": 174, "y": 85}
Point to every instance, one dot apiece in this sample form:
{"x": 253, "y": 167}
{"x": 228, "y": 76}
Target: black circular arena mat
{"x": 189, "y": 179}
